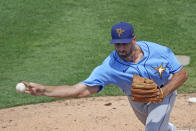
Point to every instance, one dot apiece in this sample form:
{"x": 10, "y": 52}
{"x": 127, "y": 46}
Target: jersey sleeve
{"x": 98, "y": 77}
{"x": 174, "y": 65}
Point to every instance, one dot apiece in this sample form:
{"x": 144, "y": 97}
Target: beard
{"x": 124, "y": 55}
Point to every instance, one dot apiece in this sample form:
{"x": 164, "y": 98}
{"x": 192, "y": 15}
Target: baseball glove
{"x": 145, "y": 90}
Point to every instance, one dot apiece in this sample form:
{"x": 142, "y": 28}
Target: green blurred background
{"x": 57, "y": 42}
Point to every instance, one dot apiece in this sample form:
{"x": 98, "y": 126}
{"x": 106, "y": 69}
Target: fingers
{"x": 27, "y": 92}
{"x": 30, "y": 88}
{"x": 33, "y": 88}
{"x": 28, "y": 85}
{"x": 30, "y": 92}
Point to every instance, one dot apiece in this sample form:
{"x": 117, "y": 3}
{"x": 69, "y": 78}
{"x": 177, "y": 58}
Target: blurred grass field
{"x": 56, "y": 42}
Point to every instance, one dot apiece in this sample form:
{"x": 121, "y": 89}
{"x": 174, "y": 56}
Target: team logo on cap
{"x": 119, "y": 31}
{"x": 160, "y": 70}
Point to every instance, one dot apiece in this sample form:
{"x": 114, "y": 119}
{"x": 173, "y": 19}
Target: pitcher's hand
{"x": 34, "y": 88}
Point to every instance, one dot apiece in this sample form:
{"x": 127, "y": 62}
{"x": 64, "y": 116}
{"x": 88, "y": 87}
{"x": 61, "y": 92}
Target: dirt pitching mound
{"x": 90, "y": 114}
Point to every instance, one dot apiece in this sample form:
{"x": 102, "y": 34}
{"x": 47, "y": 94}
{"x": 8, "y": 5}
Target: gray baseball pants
{"x": 155, "y": 117}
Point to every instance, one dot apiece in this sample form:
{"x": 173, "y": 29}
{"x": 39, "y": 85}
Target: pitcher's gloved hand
{"x": 145, "y": 90}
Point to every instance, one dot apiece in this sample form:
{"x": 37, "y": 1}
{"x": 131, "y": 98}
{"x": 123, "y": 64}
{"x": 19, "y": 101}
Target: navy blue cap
{"x": 122, "y": 33}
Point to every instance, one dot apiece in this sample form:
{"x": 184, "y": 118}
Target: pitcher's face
{"x": 124, "y": 50}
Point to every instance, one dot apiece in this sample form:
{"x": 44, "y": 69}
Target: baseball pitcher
{"x": 148, "y": 73}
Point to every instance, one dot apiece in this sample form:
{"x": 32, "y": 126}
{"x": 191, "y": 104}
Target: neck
{"x": 135, "y": 55}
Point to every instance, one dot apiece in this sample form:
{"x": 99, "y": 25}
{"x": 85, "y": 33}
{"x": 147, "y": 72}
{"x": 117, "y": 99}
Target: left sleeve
{"x": 174, "y": 65}
{"x": 99, "y": 77}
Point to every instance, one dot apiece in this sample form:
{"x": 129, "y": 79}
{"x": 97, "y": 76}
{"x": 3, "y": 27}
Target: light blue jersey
{"x": 158, "y": 63}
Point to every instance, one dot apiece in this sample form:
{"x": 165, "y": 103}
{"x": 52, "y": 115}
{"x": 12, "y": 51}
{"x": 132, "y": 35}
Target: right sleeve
{"x": 98, "y": 77}
{"x": 174, "y": 65}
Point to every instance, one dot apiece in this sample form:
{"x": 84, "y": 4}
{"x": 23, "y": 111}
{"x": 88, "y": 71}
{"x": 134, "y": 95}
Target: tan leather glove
{"x": 145, "y": 90}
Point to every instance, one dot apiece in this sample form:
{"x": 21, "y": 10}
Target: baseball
{"x": 20, "y": 87}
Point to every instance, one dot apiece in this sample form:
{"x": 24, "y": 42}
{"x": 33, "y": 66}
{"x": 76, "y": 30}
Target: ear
{"x": 134, "y": 39}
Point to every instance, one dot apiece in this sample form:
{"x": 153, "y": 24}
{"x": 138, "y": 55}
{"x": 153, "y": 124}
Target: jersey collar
{"x": 132, "y": 63}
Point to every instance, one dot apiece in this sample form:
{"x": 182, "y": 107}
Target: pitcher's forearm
{"x": 65, "y": 91}
{"x": 177, "y": 80}
{"x": 60, "y": 91}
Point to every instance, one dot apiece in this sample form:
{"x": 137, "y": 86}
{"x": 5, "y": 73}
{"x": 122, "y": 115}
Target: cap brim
{"x": 114, "y": 41}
